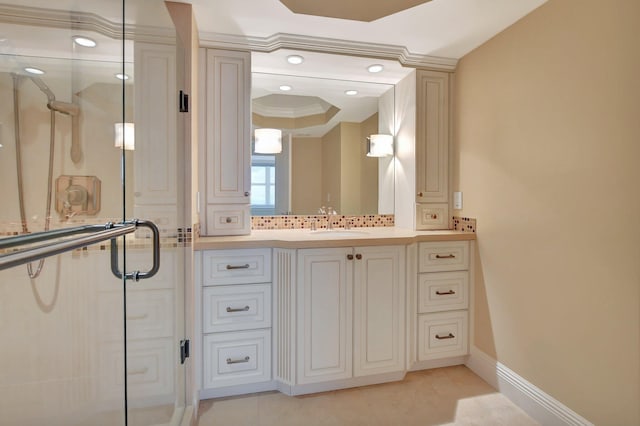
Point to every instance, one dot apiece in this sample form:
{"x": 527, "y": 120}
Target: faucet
{"x": 327, "y": 212}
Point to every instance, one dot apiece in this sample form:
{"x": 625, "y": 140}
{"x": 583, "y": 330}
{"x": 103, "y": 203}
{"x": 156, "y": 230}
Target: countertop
{"x": 304, "y": 238}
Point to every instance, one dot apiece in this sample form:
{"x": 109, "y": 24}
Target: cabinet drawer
{"x": 248, "y": 266}
{"x": 443, "y": 291}
{"x": 150, "y": 369}
{"x": 432, "y": 216}
{"x": 232, "y": 219}
{"x": 149, "y": 315}
{"x": 443, "y": 256}
{"x": 237, "y": 358}
{"x": 236, "y": 307}
{"x": 442, "y": 335}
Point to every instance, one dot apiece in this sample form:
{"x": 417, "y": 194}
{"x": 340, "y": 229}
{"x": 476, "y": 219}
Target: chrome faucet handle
{"x": 322, "y": 210}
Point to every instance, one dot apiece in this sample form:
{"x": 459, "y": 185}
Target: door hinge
{"x": 184, "y": 350}
{"x": 184, "y": 102}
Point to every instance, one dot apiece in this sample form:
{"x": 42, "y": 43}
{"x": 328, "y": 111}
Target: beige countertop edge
{"x": 302, "y": 238}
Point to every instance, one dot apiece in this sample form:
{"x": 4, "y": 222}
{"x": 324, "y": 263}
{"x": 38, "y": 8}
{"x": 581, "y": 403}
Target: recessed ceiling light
{"x": 122, "y": 76}
{"x": 351, "y": 92}
{"x": 285, "y": 88}
{"x": 84, "y": 41}
{"x": 35, "y": 71}
{"x": 375, "y": 68}
{"x": 295, "y": 59}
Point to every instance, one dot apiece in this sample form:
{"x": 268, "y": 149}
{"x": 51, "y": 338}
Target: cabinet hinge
{"x": 184, "y": 102}
{"x": 184, "y": 350}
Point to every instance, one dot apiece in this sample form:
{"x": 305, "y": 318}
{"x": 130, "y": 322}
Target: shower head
{"x": 64, "y": 107}
{"x": 43, "y": 87}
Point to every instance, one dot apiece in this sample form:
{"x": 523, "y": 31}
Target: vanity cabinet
{"x": 235, "y": 321}
{"x": 225, "y": 153}
{"x": 442, "y": 300}
{"x": 350, "y": 316}
{"x": 432, "y": 150}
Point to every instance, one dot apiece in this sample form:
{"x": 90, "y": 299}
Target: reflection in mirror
{"x": 324, "y": 159}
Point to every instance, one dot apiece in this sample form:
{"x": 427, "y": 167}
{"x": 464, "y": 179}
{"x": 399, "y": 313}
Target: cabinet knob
{"x": 358, "y": 256}
{"x": 349, "y": 257}
{"x": 247, "y": 193}
{"x": 419, "y": 194}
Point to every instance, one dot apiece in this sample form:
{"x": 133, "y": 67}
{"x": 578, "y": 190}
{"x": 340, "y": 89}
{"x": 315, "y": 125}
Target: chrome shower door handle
{"x": 137, "y": 275}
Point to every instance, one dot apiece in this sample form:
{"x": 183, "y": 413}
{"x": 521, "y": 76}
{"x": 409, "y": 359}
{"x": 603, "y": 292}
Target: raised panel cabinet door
{"x": 325, "y": 280}
{"x": 432, "y": 137}
{"x": 156, "y": 116}
{"x": 228, "y": 126}
{"x": 379, "y": 313}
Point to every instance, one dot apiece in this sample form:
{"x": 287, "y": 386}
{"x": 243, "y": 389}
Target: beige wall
{"x": 369, "y": 167}
{"x": 306, "y": 175}
{"x": 350, "y": 166}
{"x": 547, "y": 144}
{"x": 330, "y": 195}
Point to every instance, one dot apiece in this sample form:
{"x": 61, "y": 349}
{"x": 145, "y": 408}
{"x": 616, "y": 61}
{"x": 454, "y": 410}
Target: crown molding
{"x": 65, "y": 19}
{"x": 326, "y": 45}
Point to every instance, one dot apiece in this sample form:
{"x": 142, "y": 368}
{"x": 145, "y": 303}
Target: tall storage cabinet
{"x": 432, "y": 150}
{"x": 225, "y": 153}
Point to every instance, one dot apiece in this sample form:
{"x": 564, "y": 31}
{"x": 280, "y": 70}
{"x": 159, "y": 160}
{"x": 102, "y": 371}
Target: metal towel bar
{"x": 99, "y": 233}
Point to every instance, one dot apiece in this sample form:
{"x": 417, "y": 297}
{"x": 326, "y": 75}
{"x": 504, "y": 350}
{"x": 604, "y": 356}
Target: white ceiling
{"x": 442, "y": 28}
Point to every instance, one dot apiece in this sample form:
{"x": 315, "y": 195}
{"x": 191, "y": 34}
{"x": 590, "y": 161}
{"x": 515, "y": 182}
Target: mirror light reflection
{"x": 324, "y": 159}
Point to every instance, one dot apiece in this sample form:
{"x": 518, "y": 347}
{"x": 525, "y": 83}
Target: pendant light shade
{"x": 268, "y": 141}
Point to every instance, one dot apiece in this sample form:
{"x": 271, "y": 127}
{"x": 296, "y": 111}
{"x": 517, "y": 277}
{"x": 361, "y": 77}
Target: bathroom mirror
{"x": 323, "y": 159}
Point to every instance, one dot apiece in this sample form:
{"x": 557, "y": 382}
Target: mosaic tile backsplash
{"x": 305, "y": 222}
{"x": 463, "y": 224}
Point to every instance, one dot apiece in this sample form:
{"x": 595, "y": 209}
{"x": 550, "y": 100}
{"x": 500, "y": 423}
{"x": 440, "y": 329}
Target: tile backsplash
{"x": 305, "y": 221}
{"x": 463, "y": 224}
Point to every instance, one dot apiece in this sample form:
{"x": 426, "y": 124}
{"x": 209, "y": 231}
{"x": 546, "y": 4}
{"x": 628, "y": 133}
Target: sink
{"x": 339, "y": 233}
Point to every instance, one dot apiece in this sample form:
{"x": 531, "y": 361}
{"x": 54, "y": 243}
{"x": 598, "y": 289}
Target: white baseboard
{"x": 541, "y": 406}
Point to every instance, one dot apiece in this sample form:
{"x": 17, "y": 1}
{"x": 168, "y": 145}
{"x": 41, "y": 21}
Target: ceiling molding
{"x": 326, "y": 45}
{"x": 65, "y": 19}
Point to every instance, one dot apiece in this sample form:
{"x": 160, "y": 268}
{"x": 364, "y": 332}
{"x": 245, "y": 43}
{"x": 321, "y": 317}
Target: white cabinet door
{"x": 324, "y": 314}
{"x": 156, "y": 116}
{"x": 432, "y": 137}
{"x": 379, "y": 288}
{"x": 228, "y": 127}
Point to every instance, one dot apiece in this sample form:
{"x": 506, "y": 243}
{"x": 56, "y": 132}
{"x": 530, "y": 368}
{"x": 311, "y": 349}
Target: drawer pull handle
{"x": 230, "y": 309}
{"x": 245, "y": 266}
{"x": 138, "y": 372}
{"x": 443, "y": 293}
{"x": 228, "y": 220}
{"x": 450, "y": 336}
{"x": 445, "y": 256}
{"x": 136, "y": 317}
{"x": 238, "y": 361}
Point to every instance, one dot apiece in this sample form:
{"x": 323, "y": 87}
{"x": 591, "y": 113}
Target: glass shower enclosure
{"x": 91, "y": 300}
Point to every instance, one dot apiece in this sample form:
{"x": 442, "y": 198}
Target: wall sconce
{"x": 379, "y": 146}
{"x": 125, "y": 135}
{"x": 268, "y": 141}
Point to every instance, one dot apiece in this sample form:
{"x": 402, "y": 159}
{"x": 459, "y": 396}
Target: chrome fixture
{"x": 328, "y": 212}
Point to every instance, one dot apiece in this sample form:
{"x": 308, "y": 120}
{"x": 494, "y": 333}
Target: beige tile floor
{"x": 443, "y": 396}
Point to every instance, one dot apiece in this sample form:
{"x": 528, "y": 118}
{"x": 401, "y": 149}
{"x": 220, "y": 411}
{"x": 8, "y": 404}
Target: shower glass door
{"x": 88, "y": 135}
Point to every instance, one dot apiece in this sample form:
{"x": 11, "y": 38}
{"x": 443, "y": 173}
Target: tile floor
{"x": 443, "y": 396}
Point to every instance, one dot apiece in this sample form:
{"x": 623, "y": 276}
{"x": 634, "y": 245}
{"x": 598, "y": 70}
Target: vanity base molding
{"x": 439, "y": 363}
{"x": 353, "y": 382}
{"x": 239, "y": 390}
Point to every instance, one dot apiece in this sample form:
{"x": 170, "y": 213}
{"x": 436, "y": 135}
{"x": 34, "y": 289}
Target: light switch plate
{"x": 457, "y": 200}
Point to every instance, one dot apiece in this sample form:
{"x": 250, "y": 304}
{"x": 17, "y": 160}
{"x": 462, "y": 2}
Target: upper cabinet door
{"x": 228, "y": 127}
{"x": 432, "y": 137}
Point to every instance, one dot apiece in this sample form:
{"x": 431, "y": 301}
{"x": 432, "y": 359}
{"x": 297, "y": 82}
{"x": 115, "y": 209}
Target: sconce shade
{"x": 379, "y": 146}
{"x": 125, "y": 135}
{"x": 268, "y": 141}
